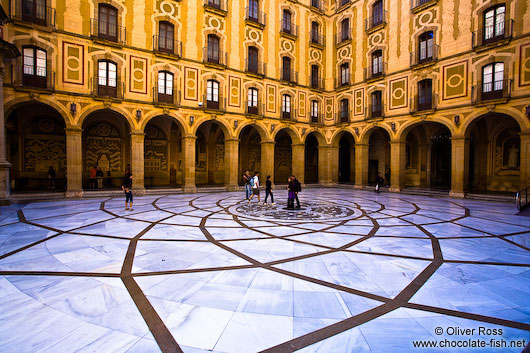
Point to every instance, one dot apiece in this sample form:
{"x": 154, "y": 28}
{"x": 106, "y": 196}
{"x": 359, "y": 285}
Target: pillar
{"x": 326, "y": 163}
{"x": 5, "y": 166}
{"x": 335, "y": 162}
{"x": 299, "y": 162}
{"x": 397, "y": 165}
{"x": 267, "y": 160}
{"x": 525, "y": 160}
{"x": 137, "y": 161}
{"x": 231, "y": 164}
{"x": 188, "y": 157}
{"x": 459, "y": 166}
{"x": 74, "y": 162}
{"x": 361, "y": 165}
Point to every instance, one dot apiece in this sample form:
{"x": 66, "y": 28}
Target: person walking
{"x": 51, "y": 178}
{"x": 290, "y": 193}
{"x": 127, "y": 188}
{"x": 246, "y": 180}
{"x": 378, "y": 182}
{"x": 297, "y": 189}
{"x": 268, "y": 190}
{"x": 254, "y": 184}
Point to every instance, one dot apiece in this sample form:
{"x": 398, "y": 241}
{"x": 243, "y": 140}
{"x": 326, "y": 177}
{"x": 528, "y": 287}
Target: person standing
{"x": 297, "y": 189}
{"x": 99, "y": 176}
{"x": 254, "y": 184}
{"x": 127, "y": 188}
{"x": 268, "y": 190}
{"x": 51, "y": 178}
{"x": 246, "y": 180}
{"x": 290, "y": 193}
{"x": 378, "y": 182}
{"x": 92, "y": 179}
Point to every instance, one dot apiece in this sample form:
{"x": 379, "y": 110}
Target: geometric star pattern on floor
{"x": 353, "y": 272}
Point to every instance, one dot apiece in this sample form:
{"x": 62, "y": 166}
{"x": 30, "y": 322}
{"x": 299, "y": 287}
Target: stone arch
{"x": 321, "y": 139}
{"x": 13, "y": 104}
{"x": 295, "y": 137}
{"x": 523, "y": 123}
{"x": 133, "y": 124}
{"x": 409, "y": 125}
{"x": 260, "y": 127}
{"x": 211, "y": 166}
{"x": 314, "y": 139}
{"x": 364, "y": 137}
{"x": 283, "y": 154}
{"x": 157, "y": 113}
{"x": 200, "y": 120}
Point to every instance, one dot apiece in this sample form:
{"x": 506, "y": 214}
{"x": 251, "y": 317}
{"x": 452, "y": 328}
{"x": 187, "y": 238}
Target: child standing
{"x": 268, "y": 190}
{"x": 126, "y": 187}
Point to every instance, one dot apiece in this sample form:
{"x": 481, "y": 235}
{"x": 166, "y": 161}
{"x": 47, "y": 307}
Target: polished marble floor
{"x": 353, "y": 271}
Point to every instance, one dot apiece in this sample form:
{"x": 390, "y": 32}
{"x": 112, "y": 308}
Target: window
{"x": 315, "y": 32}
{"x": 344, "y": 2}
{"x": 344, "y": 111}
{"x": 253, "y": 10}
{"x": 165, "y": 37}
{"x": 315, "y": 3}
{"x": 493, "y": 81}
{"x": 107, "y": 78}
{"x": 314, "y": 76}
{"x": 345, "y": 30}
{"x": 252, "y": 102}
{"x": 377, "y": 63}
{"x": 213, "y": 48}
{"x": 34, "y": 67}
{"x": 494, "y": 20}
{"x": 377, "y": 13}
{"x": 108, "y": 23}
{"x": 425, "y": 94}
{"x": 286, "y": 106}
{"x": 252, "y": 60}
{"x": 377, "y": 104}
{"x": 286, "y": 24}
{"x": 314, "y": 111}
{"x": 286, "y": 69}
{"x": 212, "y": 94}
{"x": 344, "y": 74}
{"x": 426, "y": 47}
{"x": 34, "y": 11}
{"x": 215, "y": 3}
{"x": 165, "y": 87}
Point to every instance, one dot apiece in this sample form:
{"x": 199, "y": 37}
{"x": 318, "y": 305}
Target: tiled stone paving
{"x": 353, "y": 271}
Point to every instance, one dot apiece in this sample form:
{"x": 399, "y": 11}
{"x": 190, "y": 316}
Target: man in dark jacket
{"x": 297, "y": 189}
{"x": 127, "y": 188}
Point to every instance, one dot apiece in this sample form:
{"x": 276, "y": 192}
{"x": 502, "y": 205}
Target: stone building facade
{"x": 432, "y": 94}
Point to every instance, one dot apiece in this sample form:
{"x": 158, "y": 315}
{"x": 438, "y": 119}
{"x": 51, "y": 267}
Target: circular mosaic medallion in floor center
{"x": 314, "y": 211}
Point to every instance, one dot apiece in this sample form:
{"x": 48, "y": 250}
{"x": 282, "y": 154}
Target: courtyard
{"x": 352, "y": 271}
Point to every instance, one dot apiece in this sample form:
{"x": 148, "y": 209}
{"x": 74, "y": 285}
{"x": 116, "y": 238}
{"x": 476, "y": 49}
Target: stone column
{"x": 361, "y": 165}
{"x": 231, "y": 164}
{"x": 459, "y": 166}
{"x": 137, "y": 161}
{"x": 525, "y": 159}
{"x": 397, "y": 165}
{"x": 188, "y": 157}
{"x": 267, "y": 160}
{"x": 326, "y": 164}
{"x": 299, "y": 162}
{"x": 74, "y": 162}
{"x": 5, "y": 166}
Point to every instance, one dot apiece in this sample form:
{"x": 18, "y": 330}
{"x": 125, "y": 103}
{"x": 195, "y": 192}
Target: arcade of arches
{"x": 488, "y": 155}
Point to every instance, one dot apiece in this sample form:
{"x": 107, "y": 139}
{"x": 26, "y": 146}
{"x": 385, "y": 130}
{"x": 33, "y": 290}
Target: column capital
{"x": 398, "y": 143}
{"x": 188, "y": 137}
{"x": 232, "y": 140}
{"x": 73, "y": 130}
{"x": 137, "y": 133}
{"x": 362, "y": 144}
{"x": 267, "y": 142}
{"x": 298, "y": 145}
{"x": 459, "y": 138}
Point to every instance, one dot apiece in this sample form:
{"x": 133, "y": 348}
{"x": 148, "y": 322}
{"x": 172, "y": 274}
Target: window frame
{"x": 163, "y": 40}
{"x": 107, "y": 86}
{"x": 165, "y": 91}
{"x": 105, "y": 25}
{"x": 212, "y": 94}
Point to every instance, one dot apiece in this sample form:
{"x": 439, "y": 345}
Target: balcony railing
{"x": 318, "y": 4}
{"x": 423, "y": 103}
{"x": 214, "y": 57}
{"x": 342, "y": 81}
{"x": 316, "y": 118}
{"x": 162, "y": 44}
{"x": 317, "y": 38}
{"x": 491, "y": 34}
{"x": 101, "y": 87}
{"x": 220, "y": 5}
{"x": 33, "y": 12}
{"x": 255, "y": 67}
{"x": 376, "y": 20}
{"x": 500, "y": 89}
{"x": 341, "y": 3}
{"x": 166, "y": 95}
{"x": 343, "y": 116}
{"x": 107, "y": 31}
{"x": 289, "y": 28}
{"x": 316, "y": 82}
{"x": 417, "y": 3}
{"x": 255, "y": 109}
{"x": 214, "y": 103}
{"x": 373, "y": 72}
{"x": 289, "y": 76}
{"x": 35, "y": 78}
{"x": 376, "y": 111}
{"x": 255, "y": 16}
{"x": 424, "y": 57}
{"x": 342, "y": 37}
{"x": 291, "y": 115}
